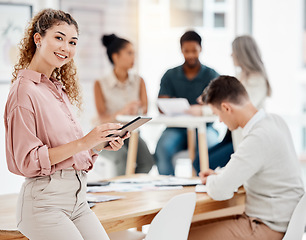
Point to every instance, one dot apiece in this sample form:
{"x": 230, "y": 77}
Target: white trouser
{"x": 55, "y": 208}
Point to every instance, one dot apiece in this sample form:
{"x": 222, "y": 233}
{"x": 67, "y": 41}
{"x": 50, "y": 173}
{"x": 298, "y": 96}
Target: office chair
{"x": 297, "y": 222}
{"x": 172, "y": 222}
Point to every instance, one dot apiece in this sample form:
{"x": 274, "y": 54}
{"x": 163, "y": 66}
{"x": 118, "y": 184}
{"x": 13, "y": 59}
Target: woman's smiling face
{"x": 58, "y": 46}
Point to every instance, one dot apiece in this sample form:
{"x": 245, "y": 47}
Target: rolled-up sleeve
{"x": 94, "y": 156}
{"x": 26, "y": 154}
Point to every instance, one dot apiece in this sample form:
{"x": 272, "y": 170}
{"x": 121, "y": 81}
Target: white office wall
{"x": 37, "y": 4}
{"x": 278, "y": 29}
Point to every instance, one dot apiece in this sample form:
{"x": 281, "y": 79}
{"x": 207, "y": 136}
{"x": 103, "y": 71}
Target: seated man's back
{"x": 265, "y": 163}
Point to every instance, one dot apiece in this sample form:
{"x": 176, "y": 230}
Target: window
{"x": 185, "y": 13}
{"x": 219, "y": 20}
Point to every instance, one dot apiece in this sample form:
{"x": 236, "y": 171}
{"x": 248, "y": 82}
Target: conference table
{"x": 134, "y": 210}
{"x": 192, "y": 123}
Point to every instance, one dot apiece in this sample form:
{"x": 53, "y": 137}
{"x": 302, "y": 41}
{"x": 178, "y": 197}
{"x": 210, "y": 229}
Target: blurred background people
{"x": 252, "y": 74}
{"x": 121, "y": 92}
{"x": 185, "y": 81}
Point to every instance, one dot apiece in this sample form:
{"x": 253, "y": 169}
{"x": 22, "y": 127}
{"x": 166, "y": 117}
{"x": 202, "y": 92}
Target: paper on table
{"x": 120, "y": 187}
{"x": 100, "y": 189}
{"x": 173, "y": 106}
{"x": 101, "y": 198}
{"x": 176, "y": 181}
{"x": 200, "y": 188}
{"x": 140, "y": 184}
{"x": 132, "y": 180}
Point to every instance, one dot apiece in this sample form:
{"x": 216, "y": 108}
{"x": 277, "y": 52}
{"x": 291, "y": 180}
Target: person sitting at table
{"x": 185, "y": 81}
{"x": 122, "y": 92}
{"x": 44, "y": 141}
{"x": 265, "y": 163}
{"x": 252, "y": 74}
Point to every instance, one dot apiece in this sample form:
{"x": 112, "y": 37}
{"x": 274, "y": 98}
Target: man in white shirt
{"x": 265, "y": 163}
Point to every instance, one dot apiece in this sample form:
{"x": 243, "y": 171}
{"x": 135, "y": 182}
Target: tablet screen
{"x": 129, "y": 127}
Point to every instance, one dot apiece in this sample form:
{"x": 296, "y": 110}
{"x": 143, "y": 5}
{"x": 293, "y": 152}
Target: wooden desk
{"x": 189, "y": 122}
{"x": 135, "y": 210}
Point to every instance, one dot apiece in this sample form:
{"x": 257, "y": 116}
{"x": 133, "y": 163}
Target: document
{"x": 173, "y": 106}
{"x": 176, "y": 181}
{"x": 200, "y": 188}
{"x": 144, "y": 184}
{"x": 92, "y": 198}
{"x": 96, "y": 189}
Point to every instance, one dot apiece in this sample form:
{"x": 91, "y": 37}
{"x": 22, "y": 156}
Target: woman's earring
{"x": 38, "y": 45}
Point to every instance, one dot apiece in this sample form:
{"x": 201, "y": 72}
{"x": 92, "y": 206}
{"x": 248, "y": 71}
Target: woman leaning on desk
{"x": 44, "y": 141}
{"x": 122, "y": 92}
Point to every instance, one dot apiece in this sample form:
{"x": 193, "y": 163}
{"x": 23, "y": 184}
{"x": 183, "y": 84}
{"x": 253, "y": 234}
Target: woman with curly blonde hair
{"x": 66, "y": 74}
{"x": 44, "y": 141}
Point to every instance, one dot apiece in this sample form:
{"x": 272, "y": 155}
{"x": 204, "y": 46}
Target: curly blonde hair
{"x": 67, "y": 74}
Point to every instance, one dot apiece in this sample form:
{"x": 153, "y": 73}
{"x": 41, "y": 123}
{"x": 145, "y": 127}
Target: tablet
{"x": 129, "y": 127}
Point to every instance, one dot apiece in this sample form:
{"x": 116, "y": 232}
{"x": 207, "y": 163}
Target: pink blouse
{"x": 37, "y": 117}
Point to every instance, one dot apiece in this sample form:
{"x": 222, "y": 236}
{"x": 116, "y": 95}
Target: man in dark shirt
{"x": 185, "y": 81}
